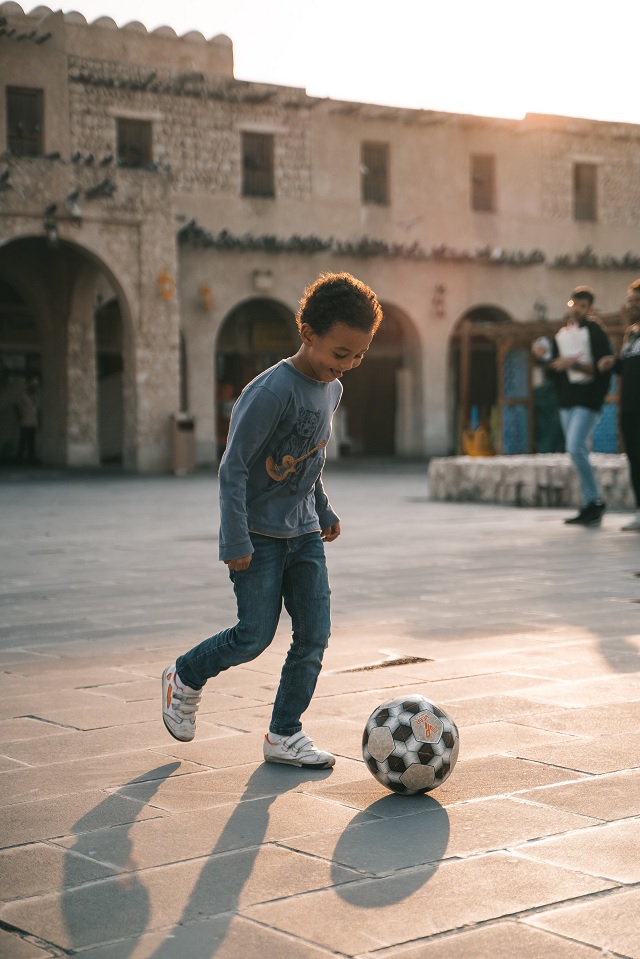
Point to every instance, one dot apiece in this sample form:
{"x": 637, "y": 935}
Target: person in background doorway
{"x": 581, "y": 388}
{"x": 627, "y": 365}
{"x": 27, "y": 411}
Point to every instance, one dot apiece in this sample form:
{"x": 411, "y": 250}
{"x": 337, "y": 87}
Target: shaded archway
{"x": 79, "y": 326}
{"x": 473, "y": 371}
{"x": 379, "y": 411}
{"x": 255, "y": 335}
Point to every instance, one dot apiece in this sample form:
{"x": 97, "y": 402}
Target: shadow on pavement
{"x": 398, "y": 847}
{"x": 89, "y": 919}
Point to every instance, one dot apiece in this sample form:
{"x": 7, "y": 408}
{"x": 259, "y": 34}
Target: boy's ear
{"x": 307, "y": 333}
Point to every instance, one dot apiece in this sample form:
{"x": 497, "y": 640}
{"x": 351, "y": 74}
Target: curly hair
{"x": 339, "y": 298}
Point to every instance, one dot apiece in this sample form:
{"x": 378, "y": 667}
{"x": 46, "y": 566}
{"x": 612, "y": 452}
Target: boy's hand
{"x": 330, "y": 533}
{"x": 238, "y": 565}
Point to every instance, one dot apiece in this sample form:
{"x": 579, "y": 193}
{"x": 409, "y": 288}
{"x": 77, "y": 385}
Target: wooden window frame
{"x": 585, "y": 192}
{"x": 134, "y": 138}
{"x": 258, "y": 170}
{"x": 483, "y": 183}
{"x": 374, "y": 168}
{"x": 30, "y": 142}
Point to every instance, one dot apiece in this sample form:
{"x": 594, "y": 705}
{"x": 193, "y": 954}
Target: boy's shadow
{"x": 89, "y": 918}
{"x": 218, "y": 887}
{"x": 396, "y": 844}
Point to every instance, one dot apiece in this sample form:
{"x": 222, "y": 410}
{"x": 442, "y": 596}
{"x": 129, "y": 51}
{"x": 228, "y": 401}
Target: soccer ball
{"x": 410, "y": 745}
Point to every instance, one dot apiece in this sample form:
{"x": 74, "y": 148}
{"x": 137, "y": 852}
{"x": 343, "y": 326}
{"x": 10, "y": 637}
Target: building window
{"x": 25, "y": 128}
{"x": 374, "y": 167}
{"x": 134, "y": 142}
{"x": 585, "y": 183}
{"x": 483, "y": 183}
{"x": 257, "y": 165}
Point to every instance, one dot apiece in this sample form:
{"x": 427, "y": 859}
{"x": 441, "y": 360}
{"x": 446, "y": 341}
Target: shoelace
{"x": 185, "y": 702}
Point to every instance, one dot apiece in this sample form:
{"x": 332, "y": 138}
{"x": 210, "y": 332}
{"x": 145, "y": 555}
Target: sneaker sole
{"x": 180, "y": 739}
{"x": 299, "y": 765}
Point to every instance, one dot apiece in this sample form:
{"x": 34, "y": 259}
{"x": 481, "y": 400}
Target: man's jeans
{"x": 293, "y": 570}
{"x": 578, "y": 423}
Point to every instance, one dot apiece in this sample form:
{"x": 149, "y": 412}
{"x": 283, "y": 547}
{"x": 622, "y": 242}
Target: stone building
{"x": 159, "y": 220}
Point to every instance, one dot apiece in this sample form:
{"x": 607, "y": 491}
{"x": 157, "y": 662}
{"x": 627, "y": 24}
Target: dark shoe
{"x": 589, "y": 515}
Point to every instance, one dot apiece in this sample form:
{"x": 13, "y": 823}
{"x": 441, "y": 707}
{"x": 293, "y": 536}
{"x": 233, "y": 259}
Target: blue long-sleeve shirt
{"x": 271, "y": 471}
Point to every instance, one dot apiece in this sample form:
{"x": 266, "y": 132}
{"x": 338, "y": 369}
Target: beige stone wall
{"x": 93, "y": 73}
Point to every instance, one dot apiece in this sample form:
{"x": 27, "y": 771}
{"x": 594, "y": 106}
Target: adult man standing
{"x": 581, "y": 388}
{"x": 628, "y": 367}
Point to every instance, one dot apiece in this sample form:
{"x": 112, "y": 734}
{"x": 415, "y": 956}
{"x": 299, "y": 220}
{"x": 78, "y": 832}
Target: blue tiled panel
{"x": 605, "y": 435}
{"x": 516, "y": 373}
{"x": 515, "y": 429}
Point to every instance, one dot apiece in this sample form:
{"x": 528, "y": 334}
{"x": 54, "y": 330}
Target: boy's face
{"x": 326, "y": 358}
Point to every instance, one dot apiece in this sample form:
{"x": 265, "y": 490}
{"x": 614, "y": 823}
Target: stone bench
{"x": 543, "y": 479}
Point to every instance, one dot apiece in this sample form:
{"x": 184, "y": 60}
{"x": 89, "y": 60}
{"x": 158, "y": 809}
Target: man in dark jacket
{"x": 581, "y": 388}
{"x": 628, "y": 367}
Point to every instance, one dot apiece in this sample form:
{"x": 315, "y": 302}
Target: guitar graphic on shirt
{"x": 280, "y": 471}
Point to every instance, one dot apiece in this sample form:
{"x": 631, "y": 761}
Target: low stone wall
{"x": 544, "y": 479}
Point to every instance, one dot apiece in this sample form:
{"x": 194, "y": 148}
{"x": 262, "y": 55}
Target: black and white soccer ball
{"x": 410, "y": 744}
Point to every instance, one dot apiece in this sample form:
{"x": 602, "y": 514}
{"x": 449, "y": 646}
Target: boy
{"x": 275, "y": 518}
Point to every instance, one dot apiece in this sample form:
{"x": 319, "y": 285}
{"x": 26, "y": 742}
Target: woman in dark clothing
{"x": 627, "y": 365}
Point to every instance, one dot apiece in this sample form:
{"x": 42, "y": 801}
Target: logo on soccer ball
{"x": 426, "y": 727}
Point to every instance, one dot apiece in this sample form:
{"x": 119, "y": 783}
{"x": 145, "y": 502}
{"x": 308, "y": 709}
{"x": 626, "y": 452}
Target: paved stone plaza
{"x": 120, "y": 843}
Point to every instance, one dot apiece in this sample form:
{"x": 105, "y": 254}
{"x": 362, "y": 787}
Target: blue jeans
{"x": 578, "y": 424}
{"x": 293, "y": 570}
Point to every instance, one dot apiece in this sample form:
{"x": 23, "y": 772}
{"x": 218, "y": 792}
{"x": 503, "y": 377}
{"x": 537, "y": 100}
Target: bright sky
{"x": 490, "y": 57}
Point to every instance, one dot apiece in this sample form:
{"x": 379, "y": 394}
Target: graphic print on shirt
{"x": 289, "y": 461}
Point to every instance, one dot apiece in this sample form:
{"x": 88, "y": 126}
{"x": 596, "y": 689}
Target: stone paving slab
{"x": 611, "y": 850}
{"x": 502, "y": 940}
{"x": 118, "y": 842}
{"x": 608, "y": 922}
{"x": 226, "y": 937}
{"x": 380, "y": 847}
{"x": 609, "y": 797}
{"x": 178, "y": 893}
{"x": 225, "y": 829}
{"x": 371, "y": 915}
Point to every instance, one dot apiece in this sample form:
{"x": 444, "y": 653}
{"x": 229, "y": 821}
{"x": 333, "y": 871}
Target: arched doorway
{"x": 64, "y": 320}
{"x": 255, "y": 335}
{"x": 474, "y": 372}
{"x": 380, "y": 398}
{"x": 20, "y": 363}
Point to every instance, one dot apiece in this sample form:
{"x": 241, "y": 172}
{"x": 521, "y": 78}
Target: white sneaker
{"x": 296, "y": 750}
{"x": 634, "y": 524}
{"x": 179, "y": 706}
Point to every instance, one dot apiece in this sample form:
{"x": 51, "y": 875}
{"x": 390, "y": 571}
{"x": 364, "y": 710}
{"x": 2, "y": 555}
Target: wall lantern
{"x": 438, "y": 299}
{"x": 262, "y": 280}
{"x": 166, "y": 285}
{"x": 205, "y": 294}
{"x": 51, "y": 231}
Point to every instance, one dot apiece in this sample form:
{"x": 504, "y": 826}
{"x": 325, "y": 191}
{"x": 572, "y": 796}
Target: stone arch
{"x": 253, "y": 336}
{"x": 64, "y": 285}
